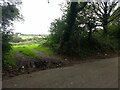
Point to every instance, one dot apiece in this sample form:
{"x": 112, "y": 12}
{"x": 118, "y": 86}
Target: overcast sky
{"x": 38, "y": 15}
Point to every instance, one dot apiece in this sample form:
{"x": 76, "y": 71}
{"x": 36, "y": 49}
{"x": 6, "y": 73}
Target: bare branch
{"x": 112, "y": 7}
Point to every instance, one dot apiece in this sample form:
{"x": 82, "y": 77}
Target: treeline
{"x": 86, "y": 28}
{"x": 30, "y": 34}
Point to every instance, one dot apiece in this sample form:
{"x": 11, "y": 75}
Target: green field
{"x": 29, "y": 37}
{"x": 28, "y": 48}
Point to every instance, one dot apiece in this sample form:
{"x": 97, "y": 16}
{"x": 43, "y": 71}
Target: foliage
{"x": 114, "y": 32}
{"x": 70, "y": 20}
{"x": 6, "y": 46}
{"x": 9, "y": 59}
{"x": 106, "y": 13}
{"x": 57, "y": 28}
{"x": 82, "y": 36}
{"x": 9, "y": 14}
{"x": 16, "y": 39}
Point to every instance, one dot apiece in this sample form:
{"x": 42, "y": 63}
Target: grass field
{"x": 28, "y": 37}
{"x": 27, "y": 48}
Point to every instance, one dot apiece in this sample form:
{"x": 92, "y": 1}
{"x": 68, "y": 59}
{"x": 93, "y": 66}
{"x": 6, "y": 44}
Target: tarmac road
{"x": 0, "y": 79}
{"x": 98, "y": 74}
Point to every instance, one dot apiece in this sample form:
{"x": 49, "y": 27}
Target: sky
{"x": 38, "y": 15}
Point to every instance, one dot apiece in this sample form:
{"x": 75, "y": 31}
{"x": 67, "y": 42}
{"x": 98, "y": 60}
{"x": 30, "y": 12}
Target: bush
{"x": 17, "y": 40}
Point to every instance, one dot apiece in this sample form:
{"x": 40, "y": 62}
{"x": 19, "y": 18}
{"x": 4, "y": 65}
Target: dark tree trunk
{"x": 105, "y": 29}
{"x": 70, "y": 22}
{"x": 90, "y": 34}
{"x": 105, "y": 18}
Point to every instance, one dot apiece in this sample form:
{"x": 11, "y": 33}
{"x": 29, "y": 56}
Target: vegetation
{"x": 9, "y": 14}
{"x": 29, "y": 49}
{"x": 105, "y": 10}
{"x": 26, "y": 49}
{"x": 44, "y": 49}
{"x": 87, "y": 31}
{"x": 26, "y": 39}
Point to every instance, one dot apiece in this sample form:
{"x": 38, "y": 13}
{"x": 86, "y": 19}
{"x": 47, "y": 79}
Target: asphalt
{"x": 102, "y": 73}
{"x": 0, "y": 78}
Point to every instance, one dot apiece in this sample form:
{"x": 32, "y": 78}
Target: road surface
{"x": 96, "y": 74}
{"x": 0, "y": 79}
{"x": 0, "y": 68}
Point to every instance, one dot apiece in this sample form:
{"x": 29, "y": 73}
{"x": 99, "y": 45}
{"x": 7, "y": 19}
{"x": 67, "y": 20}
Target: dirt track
{"x": 97, "y": 74}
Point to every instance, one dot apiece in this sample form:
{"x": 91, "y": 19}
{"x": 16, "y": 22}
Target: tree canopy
{"x": 80, "y": 27}
{"x": 10, "y": 13}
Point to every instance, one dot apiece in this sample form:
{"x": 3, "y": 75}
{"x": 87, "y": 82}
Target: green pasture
{"x": 25, "y": 49}
{"x": 28, "y": 49}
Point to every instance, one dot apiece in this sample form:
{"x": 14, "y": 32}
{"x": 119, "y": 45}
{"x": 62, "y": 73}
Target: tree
{"x": 104, "y": 11}
{"x": 70, "y": 20}
{"x": 10, "y": 13}
{"x": 115, "y": 16}
{"x": 57, "y": 29}
{"x": 86, "y": 19}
